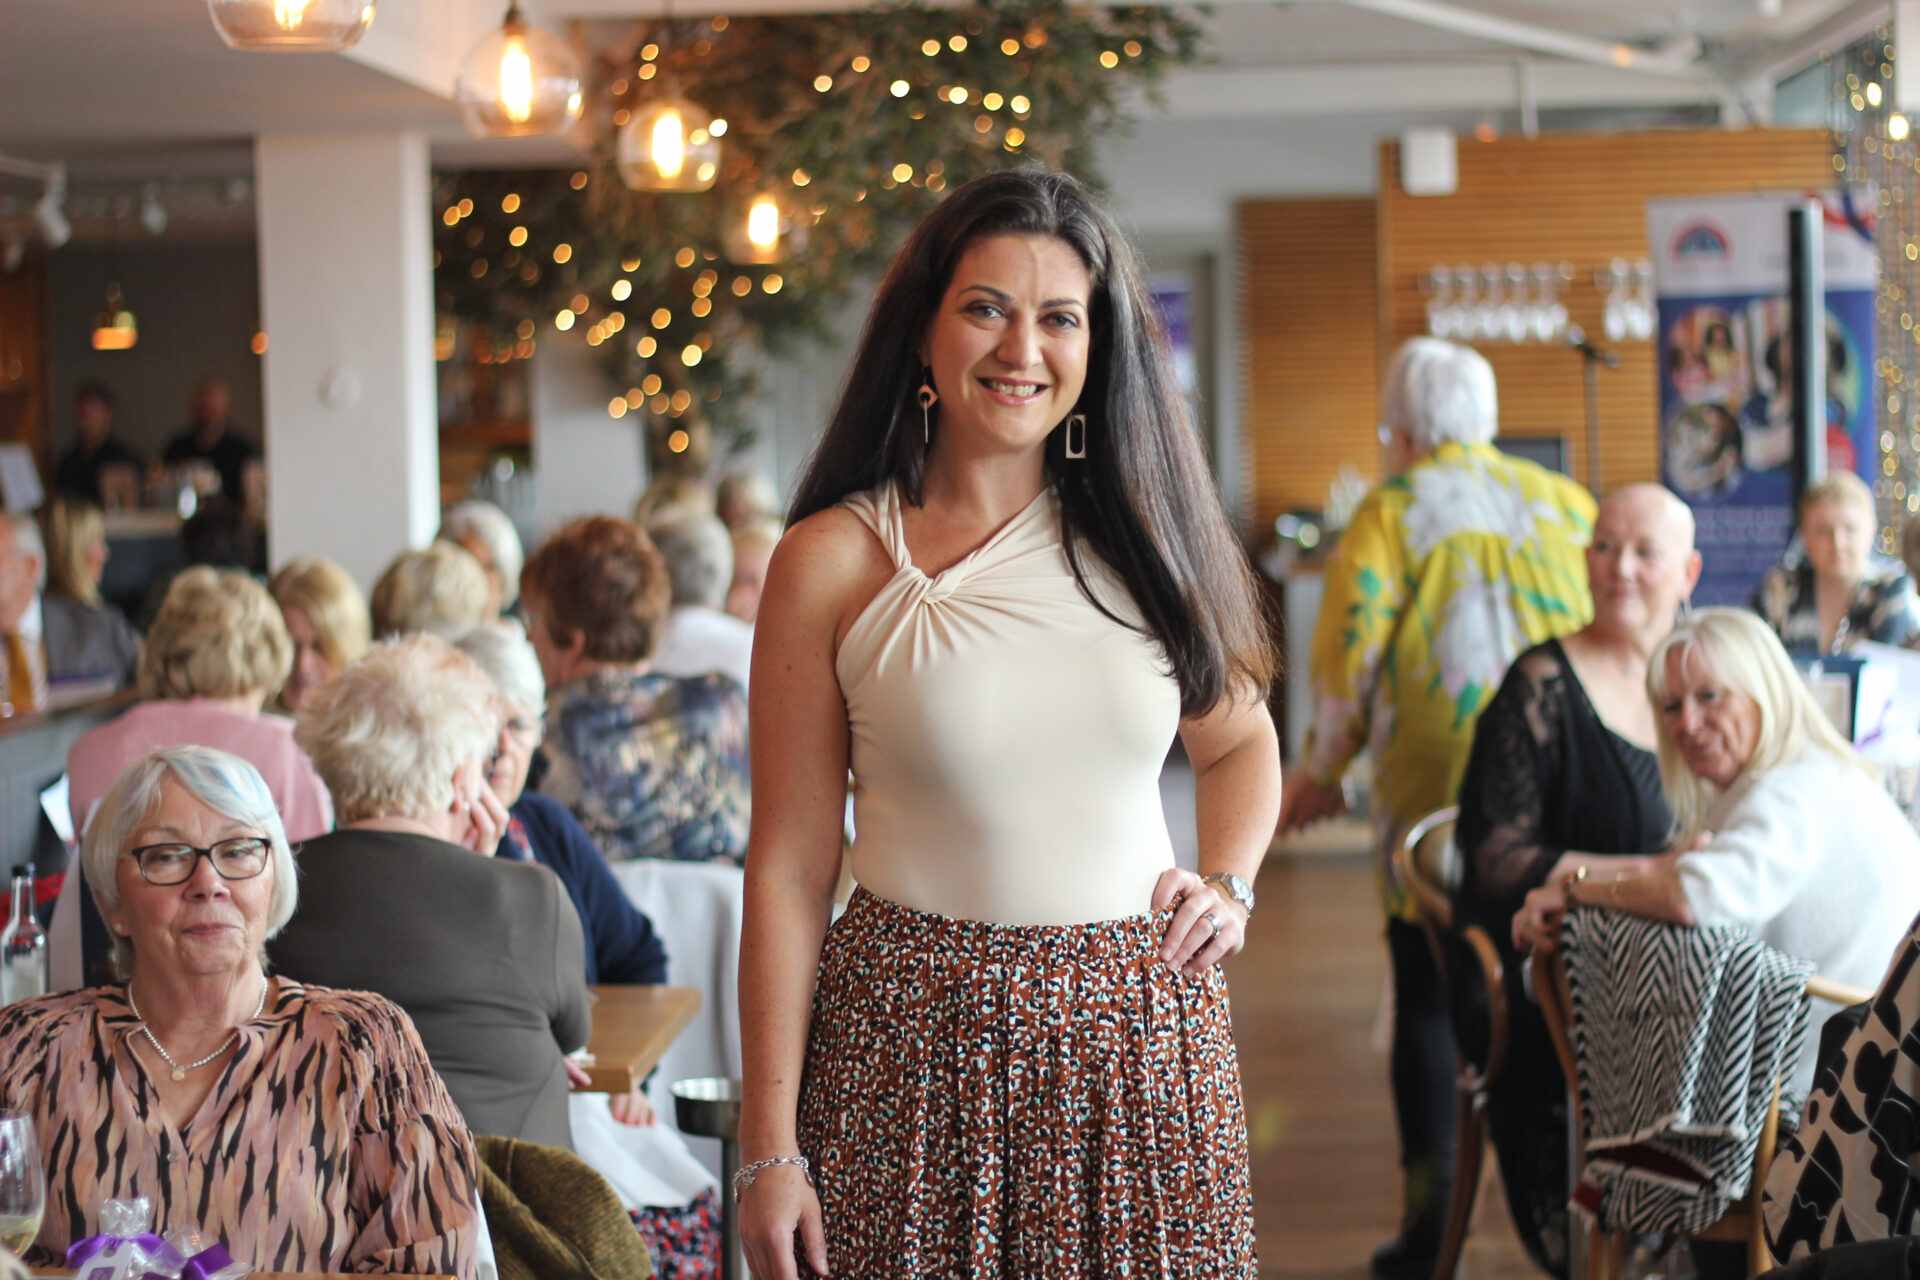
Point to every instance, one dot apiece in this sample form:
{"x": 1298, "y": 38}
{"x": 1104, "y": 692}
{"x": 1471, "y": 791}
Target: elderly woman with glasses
{"x": 303, "y": 1127}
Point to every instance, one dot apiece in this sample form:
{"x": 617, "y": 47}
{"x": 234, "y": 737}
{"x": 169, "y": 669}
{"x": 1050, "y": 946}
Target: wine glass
{"x": 23, "y": 1185}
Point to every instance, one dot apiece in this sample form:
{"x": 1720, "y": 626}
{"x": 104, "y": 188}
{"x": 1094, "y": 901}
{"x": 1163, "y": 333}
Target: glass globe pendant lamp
{"x": 668, "y": 145}
{"x": 292, "y": 26}
{"x": 765, "y": 232}
{"x": 519, "y": 81}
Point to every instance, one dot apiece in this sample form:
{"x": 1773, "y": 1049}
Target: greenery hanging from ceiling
{"x": 853, "y": 122}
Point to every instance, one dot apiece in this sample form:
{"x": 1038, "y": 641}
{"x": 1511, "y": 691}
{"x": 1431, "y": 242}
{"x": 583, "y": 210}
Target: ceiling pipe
{"x": 1676, "y": 57}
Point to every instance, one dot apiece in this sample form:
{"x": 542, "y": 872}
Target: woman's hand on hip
{"x": 780, "y": 1206}
{"x": 1206, "y": 929}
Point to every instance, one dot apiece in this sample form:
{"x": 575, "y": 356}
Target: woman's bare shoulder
{"x": 829, "y": 565}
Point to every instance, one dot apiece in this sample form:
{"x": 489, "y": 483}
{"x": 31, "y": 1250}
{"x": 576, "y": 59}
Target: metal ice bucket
{"x": 709, "y": 1107}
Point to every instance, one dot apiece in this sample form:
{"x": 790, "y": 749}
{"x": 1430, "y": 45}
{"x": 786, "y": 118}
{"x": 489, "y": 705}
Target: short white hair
{"x": 493, "y": 529}
{"x": 226, "y": 784}
{"x": 28, "y": 542}
{"x": 1440, "y": 392}
{"x": 388, "y": 733}
{"x": 698, "y": 550}
{"x": 506, "y": 655}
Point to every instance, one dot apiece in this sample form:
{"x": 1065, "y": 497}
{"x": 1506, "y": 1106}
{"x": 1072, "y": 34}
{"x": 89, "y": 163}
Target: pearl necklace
{"x": 179, "y": 1072}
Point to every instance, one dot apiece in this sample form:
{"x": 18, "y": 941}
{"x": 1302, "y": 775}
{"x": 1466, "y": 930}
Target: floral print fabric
{"x": 1447, "y": 572}
{"x": 1014, "y": 1101}
{"x": 1883, "y": 607}
{"x": 653, "y": 766}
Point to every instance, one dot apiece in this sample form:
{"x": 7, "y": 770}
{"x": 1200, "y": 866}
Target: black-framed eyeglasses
{"x": 241, "y": 858}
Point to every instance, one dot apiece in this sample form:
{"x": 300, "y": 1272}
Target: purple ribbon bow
{"x": 209, "y": 1262}
{"x": 156, "y": 1249}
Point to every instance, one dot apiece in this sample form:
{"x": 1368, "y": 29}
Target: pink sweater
{"x": 265, "y": 742}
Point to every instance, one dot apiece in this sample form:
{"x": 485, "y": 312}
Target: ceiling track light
{"x": 49, "y": 216}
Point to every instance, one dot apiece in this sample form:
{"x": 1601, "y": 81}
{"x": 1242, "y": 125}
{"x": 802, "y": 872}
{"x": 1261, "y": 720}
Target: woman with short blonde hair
{"x": 76, "y": 548}
{"x": 1832, "y": 588}
{"x": 441, "y": 591}
{"x": 326, "y": 618}
{"x": 218, "y": 635}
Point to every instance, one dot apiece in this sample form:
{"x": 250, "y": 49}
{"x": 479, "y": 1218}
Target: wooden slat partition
{"x": 1578, "y": 198}
{"x": 1311, "y": 366}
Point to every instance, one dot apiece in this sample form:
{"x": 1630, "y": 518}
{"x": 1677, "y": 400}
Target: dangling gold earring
{"x": 928, "y": 398}
{"x": 1078, "y": 420}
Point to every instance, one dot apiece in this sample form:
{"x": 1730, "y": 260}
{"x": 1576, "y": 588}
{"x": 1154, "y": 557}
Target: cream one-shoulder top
{"x": 1007, "y": 737}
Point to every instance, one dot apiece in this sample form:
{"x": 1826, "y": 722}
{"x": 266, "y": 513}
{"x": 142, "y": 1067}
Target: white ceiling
{"x": 129, "y": 89}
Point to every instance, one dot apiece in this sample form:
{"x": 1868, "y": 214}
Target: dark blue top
{"x": 622, "y": 948}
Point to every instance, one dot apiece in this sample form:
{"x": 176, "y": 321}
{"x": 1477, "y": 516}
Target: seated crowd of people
{"x": 407, "y": 803}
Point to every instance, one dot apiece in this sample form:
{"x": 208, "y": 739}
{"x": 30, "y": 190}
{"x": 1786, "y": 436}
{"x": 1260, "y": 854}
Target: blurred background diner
{"x": 1439, "y": 279}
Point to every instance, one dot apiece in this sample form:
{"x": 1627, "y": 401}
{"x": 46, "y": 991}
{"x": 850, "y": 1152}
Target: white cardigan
{"x": 1815, "y": 859}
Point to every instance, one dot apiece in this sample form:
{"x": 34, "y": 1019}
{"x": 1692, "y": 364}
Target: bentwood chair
{"x": 1424, "y": 862}
{"x": 1743, "y": 1222}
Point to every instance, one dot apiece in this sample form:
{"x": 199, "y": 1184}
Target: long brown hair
{"x": 1142, "y": 499}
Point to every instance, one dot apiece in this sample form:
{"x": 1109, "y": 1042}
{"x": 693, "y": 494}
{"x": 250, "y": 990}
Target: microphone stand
{"x": 1591, "y": 358}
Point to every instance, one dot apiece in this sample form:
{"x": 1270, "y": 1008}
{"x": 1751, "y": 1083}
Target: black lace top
{"x": 1547, "y": 775}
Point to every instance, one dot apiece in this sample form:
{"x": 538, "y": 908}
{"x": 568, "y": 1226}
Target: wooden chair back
{"x": 1421, "y": 863}
{"x": 1743, "y": 1222}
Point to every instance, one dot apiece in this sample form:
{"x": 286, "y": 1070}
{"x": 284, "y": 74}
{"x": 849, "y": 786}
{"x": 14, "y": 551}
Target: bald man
{"x": 1562, "y": 776}
{"x": 212, "y": 437}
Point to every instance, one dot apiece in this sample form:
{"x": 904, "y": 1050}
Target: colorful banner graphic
{"x": 1726, "y": 411}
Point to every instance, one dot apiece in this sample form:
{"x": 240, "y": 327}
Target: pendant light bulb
{"x": 115, "y": 329}
{"x": 668, "y": 145}
{"x": 519, "y": 81}
{"x": 763, "y": 223}
{"x": 298, "y": 26}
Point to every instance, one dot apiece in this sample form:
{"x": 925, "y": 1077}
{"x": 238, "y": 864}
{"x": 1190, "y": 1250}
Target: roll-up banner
{"x": 1726, "y": 367}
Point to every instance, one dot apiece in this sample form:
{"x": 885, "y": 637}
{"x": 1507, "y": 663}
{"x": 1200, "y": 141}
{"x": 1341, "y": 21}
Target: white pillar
{"x": 346, "y": 300}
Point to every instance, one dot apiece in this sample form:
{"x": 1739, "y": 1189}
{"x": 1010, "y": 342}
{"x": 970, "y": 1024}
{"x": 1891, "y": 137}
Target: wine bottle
{"x": 23, "y": 946}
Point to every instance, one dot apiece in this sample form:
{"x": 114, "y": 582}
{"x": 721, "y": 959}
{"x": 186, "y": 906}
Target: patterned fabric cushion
{"x": 1852, "y": 1171}
{"x": 1680, "y": 1035}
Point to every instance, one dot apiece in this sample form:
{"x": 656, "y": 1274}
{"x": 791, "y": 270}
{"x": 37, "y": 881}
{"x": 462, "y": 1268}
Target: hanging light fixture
{"x": 519, "y": 81}
{"x": 115, "y": 329}
{"x": 294, "y": 26}
{"x": 765, "y": 233}
{"x": 668, "y": 145}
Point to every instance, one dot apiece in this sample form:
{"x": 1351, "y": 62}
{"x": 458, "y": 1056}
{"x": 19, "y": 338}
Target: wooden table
{"x": 632, "y": 1027}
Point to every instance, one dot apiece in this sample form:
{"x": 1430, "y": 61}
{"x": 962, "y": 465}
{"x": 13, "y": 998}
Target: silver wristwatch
{"x": 1237, "y": 889}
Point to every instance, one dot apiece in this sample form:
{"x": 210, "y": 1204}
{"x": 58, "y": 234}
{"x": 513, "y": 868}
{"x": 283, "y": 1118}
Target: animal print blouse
{"x": 328, "y": 1143}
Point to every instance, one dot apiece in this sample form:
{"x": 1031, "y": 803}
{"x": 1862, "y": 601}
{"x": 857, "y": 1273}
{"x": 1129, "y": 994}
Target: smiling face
{"x": 1717, "y": 729}
{"x": 204, "y": 926}
{"x": 1008, "y": 344}
{"x": 1641, "y": 563}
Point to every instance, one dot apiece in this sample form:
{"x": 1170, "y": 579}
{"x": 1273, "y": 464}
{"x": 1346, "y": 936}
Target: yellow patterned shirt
{"x": 1446, "y": 574}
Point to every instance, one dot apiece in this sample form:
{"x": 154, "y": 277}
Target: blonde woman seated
{"x": 216, "y": 652}
{"x": 441, "y": 591}
{"x": 86, "y": 638}
{"x": 485, "y": 954}
{"x": 303, "y": 1127}
{"x": 326, "y": 618}
{"x": 1830, "y": 589}
{"x": 1781, "y": 829}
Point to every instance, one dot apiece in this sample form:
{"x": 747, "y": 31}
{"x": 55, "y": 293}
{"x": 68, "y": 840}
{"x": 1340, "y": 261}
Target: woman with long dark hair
{"x": 1008, "y": 584}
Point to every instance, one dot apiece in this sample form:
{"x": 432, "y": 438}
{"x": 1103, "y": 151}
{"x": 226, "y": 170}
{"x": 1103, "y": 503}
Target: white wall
{"x": 585, "y": 462}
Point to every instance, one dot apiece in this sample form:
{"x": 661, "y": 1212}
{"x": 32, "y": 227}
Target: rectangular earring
{"x": 1076, "y": 421}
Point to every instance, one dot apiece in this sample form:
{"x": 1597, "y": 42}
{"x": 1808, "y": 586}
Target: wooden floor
{"x": 1306, "y": 991}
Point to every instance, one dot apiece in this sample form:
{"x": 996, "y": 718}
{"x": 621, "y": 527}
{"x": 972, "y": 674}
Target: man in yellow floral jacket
{"x": 1448, "y": 570}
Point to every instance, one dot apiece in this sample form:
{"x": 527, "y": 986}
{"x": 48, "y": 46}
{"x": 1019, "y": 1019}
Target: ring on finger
{"x": 1213, "y": 921}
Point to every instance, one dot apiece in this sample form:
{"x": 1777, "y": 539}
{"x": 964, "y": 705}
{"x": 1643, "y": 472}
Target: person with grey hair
{"x": 699, "y": 636}
{"x": 485, "y": 954}
{"x": 622, "y": 946}
{"x": 198, "y": 1069}
{"x": 1462, "y": 558}
{"x": 487, "y": 534}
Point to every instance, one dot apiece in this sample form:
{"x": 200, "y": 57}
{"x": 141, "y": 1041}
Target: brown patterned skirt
{"x": 1015, "y": 1102}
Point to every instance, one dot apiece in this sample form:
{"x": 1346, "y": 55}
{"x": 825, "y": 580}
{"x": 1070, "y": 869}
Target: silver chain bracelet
{"x": 743, "y": 1177}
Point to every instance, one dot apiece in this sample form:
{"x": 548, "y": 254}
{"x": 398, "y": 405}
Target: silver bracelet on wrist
{"x": 743, "y": 1177}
